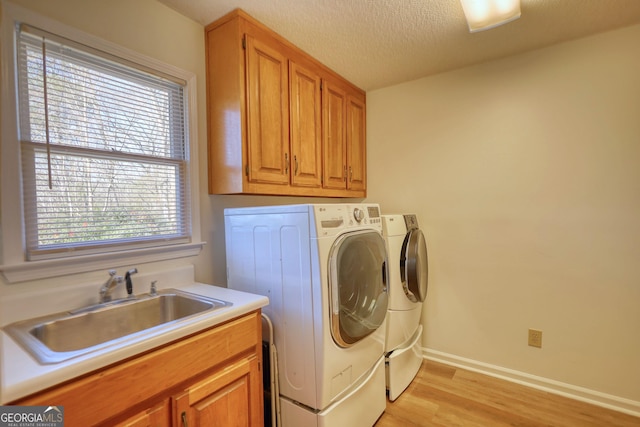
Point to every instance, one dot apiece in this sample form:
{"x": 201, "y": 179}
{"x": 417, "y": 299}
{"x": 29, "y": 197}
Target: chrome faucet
{"x": 112, "y": 282}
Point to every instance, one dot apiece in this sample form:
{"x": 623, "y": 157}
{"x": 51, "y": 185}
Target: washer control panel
{"x": 333, "y": 217}
{"x": 374, "y": 214}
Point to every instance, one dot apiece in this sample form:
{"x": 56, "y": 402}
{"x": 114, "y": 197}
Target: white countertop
{"x": 21, "y": 374}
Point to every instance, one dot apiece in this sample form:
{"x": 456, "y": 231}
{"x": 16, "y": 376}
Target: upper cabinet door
{"x": 267, "y": 112}
{"x": 334, "y": 111}
{"x": 356, "y": 144}
{"x": 306, "y": 127}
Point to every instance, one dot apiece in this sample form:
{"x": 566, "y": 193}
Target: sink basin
{"x": 61, "y": 336}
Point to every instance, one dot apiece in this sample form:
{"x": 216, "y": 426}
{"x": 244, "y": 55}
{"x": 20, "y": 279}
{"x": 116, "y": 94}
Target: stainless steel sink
{"x": 61, "y": 336}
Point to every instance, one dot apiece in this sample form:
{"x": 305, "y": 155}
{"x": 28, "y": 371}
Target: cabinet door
{"x": 334, "y": 110}
{"x": 230, "y": 398}
{"x": 356, "y": 149}
{"x": 267, "y": 112}
{"x": 306, "y": 127}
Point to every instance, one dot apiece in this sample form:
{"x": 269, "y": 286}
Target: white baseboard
{"x": 605, "y": 400}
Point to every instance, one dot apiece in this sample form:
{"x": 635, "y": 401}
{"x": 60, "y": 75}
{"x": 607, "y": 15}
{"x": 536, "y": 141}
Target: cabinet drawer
{"x": 234, "y": 338}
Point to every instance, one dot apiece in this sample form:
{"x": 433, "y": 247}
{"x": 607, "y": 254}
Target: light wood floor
{"x": 442, "y": 395}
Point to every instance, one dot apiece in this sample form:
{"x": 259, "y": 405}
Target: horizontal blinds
{"x": 104, "y": 152}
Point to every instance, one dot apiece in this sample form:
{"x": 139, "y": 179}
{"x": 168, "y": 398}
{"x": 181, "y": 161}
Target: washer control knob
{"x": 358, "y": 214}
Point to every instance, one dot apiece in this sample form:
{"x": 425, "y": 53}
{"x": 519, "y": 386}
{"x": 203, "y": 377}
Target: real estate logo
{"x": 31, "y": 416}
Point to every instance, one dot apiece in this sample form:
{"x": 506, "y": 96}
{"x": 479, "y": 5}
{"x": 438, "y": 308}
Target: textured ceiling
{"x": 378, "y": 43}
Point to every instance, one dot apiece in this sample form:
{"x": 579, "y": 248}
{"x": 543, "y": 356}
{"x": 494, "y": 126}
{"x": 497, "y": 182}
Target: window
{"x": 97, "y": 168}
{"x": 103, "y": 150}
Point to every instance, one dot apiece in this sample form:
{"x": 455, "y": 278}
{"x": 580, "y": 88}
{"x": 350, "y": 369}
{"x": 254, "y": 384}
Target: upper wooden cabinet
{"x": 279, "y": 122}
{"x": 334, "y": 115}
{"x": 267, "y": 112}
{"x": 306, "y": 126}
{"x": 356, "y": 144}
{"x": 343, "y": 113}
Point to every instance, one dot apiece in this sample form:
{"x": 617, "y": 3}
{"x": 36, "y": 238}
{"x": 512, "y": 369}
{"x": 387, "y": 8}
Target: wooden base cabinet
{"x": 156, "y": 416}
{"x": 222, "y": 400}
{"x": 273, "y": 124}
{"x": 213, "y": 378}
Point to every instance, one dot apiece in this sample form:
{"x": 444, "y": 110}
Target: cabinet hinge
{"x": 246, "y": 169}
{"x": 244, "y": 42}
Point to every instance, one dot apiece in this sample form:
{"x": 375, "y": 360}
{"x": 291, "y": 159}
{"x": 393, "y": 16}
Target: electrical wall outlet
{"x": 535, "y": 338}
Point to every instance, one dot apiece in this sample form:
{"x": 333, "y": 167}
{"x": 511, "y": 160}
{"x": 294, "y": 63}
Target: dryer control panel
{"x": 411, "y": 221}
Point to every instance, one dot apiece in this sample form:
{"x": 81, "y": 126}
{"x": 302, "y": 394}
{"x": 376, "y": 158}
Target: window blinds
{"x": 104, "y": 150}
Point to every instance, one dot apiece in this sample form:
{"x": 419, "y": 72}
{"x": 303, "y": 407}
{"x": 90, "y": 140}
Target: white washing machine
{"x": 324, "y": 269}
{"x": 408, "y": 280}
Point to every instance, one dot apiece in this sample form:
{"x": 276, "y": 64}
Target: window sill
{"x": 34, "y": 270}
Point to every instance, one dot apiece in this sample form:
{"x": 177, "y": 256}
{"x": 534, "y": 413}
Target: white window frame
{"x": 14, "y": 266}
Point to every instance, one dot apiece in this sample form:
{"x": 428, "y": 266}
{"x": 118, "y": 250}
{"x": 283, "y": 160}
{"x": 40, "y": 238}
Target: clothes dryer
{"x": 324, "y": 269}
{"x": 408, "y": 281}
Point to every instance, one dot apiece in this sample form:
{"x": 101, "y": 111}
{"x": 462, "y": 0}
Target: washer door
{"x": 358, "y": 286}
{"x": 414, "y": 269}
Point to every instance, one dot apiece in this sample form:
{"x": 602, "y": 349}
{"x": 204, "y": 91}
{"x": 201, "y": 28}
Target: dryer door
{"x": 358, "y": 286}
{"x": 414, "y": 269}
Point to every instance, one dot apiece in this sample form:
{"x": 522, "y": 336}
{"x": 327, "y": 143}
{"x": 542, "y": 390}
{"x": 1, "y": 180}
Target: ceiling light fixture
{"x": 485, "y": 14}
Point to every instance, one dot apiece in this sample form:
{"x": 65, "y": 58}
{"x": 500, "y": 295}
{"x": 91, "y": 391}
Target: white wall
{"x": 525, "y": 175}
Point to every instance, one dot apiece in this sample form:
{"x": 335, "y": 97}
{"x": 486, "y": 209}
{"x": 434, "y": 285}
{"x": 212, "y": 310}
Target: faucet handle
{"x": 112, "y": 273}
{"x": 127, "y": 277}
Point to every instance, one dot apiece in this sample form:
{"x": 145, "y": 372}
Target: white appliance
{"x": 324, "y": 269}
{"x": 408, "y": 279}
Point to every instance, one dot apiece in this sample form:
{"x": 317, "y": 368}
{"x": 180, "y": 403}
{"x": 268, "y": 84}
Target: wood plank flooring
{"x": 443, "y": 395}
